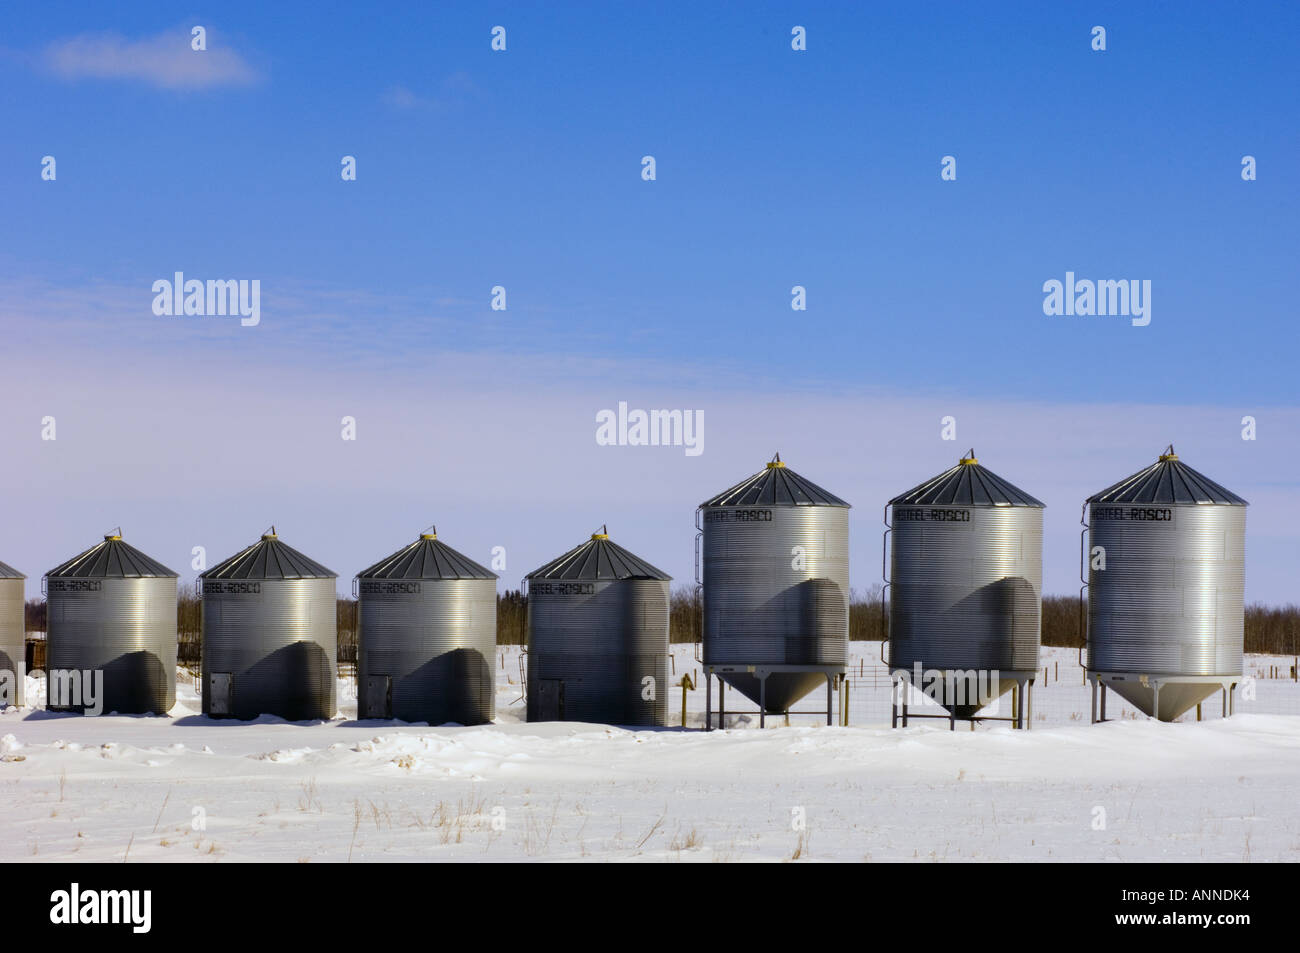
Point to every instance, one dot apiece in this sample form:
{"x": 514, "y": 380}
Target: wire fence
{"x": 1061, "y": 694}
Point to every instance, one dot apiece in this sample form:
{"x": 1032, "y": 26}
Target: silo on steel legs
{"x": 598, "y": 638}
{"x": 13, "y": 638}
{"x": 775, "y": 563}
{"x": 1165, "y": 554}
{"x": 428, "y": 636}
{"x": 270, "y": 635}
{"x": 965, "y": 594}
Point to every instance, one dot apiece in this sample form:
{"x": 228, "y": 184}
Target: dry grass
{"x": 651, "y": 833}
{"x": 537, "y": 834}
{"x": 451, "y": 822}
{"x": 310, "y": 797}
{"x": 801, "y": 845}
{"x": 158, "y": 819}
{"x": 691, "y": 841}
{"x": 356, "y": 823}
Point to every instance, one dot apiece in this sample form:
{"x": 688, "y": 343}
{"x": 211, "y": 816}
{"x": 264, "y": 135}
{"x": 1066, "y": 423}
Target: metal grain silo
{"x": 428, "y": 636}
{"x": 1166, "y": 613}
{"x": 598, "y": 637}
{"x": 13, "y": 637}
{"x": 111, "y": 609}
{"x": 965, "y": 588}
{"x": 270, "y": 635}
{"x": 775, "y": 562}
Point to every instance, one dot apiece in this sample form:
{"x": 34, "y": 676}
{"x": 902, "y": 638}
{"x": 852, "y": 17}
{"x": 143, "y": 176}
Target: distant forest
{"x": 1269, "y": 630}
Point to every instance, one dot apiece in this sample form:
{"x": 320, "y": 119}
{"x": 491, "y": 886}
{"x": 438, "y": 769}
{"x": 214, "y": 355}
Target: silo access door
{"x": 379, "y": 697}
{"x": 219, "y": 691}
{"x": 550, "y": 699}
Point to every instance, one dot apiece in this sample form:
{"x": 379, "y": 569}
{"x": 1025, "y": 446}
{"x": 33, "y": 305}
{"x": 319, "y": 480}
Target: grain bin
{"x": 775, "y": 562}
{"x": 1166, "y": 613}
{"x": 965, "y": 587}
{"x": 428, "y": 636}
{"x": 270, "y": 635}
{"x": 13, "y": 638}
{"x": 111, "y": 610}
{"x": 598, "y": 637}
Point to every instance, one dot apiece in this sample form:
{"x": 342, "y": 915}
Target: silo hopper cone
{"x": 1175, "y": 697}
{"x": 784, "y": 689}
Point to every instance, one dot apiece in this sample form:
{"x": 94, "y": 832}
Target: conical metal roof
{"x": 966, "y": 484}
{"x": 598, "y": 558}
{"x": 111, "y": 559}
{"x": 1168, "y": 480}
{"x": 9, "y": 572}
{"x": 427, "y": 558}
{"x": 775, "y": 485}
{"x": 269, "y": 558}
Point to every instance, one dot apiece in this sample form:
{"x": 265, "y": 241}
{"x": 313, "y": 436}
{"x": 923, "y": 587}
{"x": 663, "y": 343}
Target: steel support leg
{"x": 1155, "y": 701}
{"x": 708, "y": 701}
{"x": 1102, "y": 685}
{"x": 1094, "y": 702}
{"x": 762, "y": 701}
{"x": 830, "y": 701}
{"x": 722, "y": 703}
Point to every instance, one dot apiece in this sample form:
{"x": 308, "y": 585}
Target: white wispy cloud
{"x": 452, "y": 91}
{"x": 402, "y": 97}
{"x": 196, "y": 431}
{"x": 164, "y": 60}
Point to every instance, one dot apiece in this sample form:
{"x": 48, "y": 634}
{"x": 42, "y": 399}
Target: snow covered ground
{"x": 185, "y": 788}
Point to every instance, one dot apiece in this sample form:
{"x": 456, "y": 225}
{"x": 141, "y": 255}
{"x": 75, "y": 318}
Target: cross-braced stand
{"x": 834, "y": 676}
{"x": 1022, "y": 707}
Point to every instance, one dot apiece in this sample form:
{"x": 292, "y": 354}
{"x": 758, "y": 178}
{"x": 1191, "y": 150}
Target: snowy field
{"x": 185, "y": 788}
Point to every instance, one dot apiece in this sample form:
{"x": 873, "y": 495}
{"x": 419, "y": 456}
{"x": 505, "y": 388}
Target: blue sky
{"x": 775, "y": 169}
